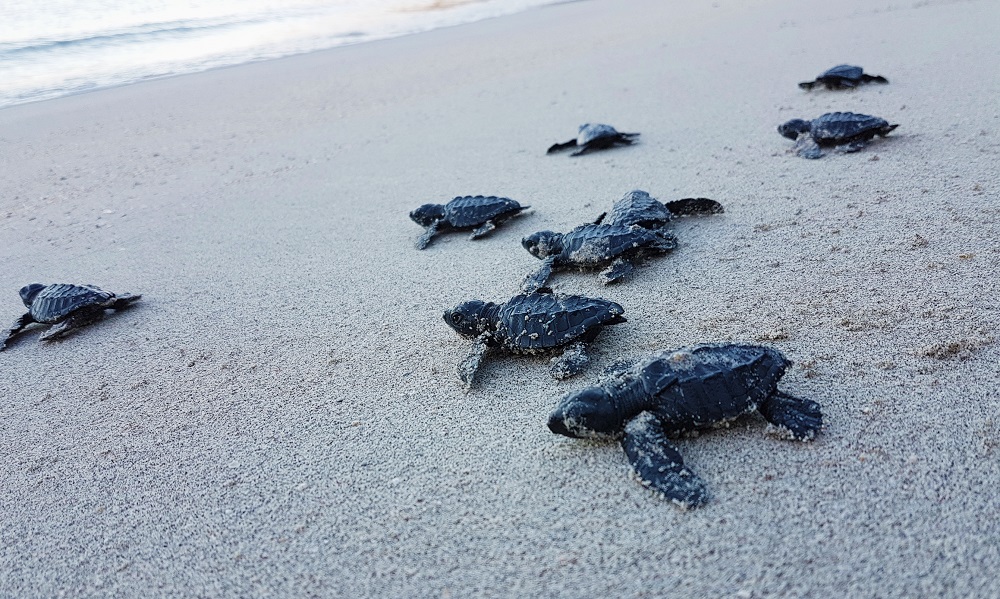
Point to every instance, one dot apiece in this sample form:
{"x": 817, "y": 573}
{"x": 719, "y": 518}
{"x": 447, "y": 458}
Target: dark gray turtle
{"x": 639, "y": 208}
{"x": 843, "y": 76}
{"x": 595, "y": 137}
{"x": 482, "y": 214}
{"x": 845, "y": 131}
{"x": 670, "y": 394}
{"x": 533, "y": 323}
{"x": 65, "y": 306}
{"x": 615, "y": 248}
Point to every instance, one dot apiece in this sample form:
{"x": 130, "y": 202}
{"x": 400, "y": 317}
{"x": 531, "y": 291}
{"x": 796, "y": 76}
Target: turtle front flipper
{"x": 560, "y": 147}
{"x": 16, "y": 328}
{"x": 806, "y": 147}
{"x": 467, "y": 368}
{"x": 570, "y": 363}
{"x": 618, "y": 269}
{"x": 659, "y": 465}
{"x": 873, "y": 79}
{"x": 74, "y": 321}
{"x": 797, "y": 418}
{"x": 483, "y": 230}
{"x": 693, "y": 206}
{"x": 540, "y": 277}
{"x": 807, "y": 85}
{"x": 426, "y": 237}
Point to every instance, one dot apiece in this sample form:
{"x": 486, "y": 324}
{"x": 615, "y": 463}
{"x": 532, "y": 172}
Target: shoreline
{"x": 289, "y": 54}
{"x": 279, "y": 415}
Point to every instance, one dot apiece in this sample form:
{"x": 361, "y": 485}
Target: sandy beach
{"x": 280, "y": 416}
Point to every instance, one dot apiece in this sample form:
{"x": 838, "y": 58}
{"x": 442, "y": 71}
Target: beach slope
{"x": 280, "y": 416}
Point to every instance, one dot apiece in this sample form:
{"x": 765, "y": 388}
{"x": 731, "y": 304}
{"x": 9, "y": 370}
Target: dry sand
{"x": 280, "y": 416}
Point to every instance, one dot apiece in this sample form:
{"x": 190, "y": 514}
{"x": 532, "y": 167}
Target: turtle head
{"x": 543, "y": 244}
{"x": 427, "y": 214}
{"x": 469, "y": 319}
{"x": 588, "y": 413}
{"x": 793, "y": 128}
{"x": 29, "y": 292}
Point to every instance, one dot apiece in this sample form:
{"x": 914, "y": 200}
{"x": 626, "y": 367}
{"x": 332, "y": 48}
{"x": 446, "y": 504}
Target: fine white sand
{"x": 279, "y": 416}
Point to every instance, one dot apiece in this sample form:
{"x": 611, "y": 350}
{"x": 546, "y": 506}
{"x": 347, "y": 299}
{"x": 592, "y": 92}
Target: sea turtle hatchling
{"x": 669, "y": 394}
{"x": 594, "y": 137}
{"x": 65, "y": 306}
{"x": 615, "y": 248}
{"x": 639, "y": 208}
{"x": 843, "y": 76}
{"x": 481, "y": 214}
{"x": 533, "y": 323}
{"x": 845, "y": 131}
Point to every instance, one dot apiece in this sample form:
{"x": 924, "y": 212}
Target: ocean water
{"x": 50, "y": 48}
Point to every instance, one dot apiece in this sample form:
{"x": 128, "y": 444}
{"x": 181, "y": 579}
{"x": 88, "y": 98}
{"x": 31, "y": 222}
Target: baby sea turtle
{"x": 639, "y": 208}
{"x": 595, "y": 137}
{"x": 482, "y": 214}
{"x": 616, "y": 248}
{"x": 533, "y": 323}
{"x": 845, "y": 131}
{"x": 843, "y": 76}
{"x": 669, "y": 394}
{"x": 65, "y": 306}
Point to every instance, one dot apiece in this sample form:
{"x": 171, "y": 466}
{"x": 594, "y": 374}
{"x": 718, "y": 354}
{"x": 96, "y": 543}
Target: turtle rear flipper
{"x": 851, "y": 147}
{"x": 428, "y": 234}
{"x": 658, "y": 465}
{"x": 483, "y": 229}
{"x": 886, "y": 130}
{"x": 692, "y": 206}
{"x": 124, "y": 301}
{"x": 540, "y": 277}
{"x": 618, "y": 368}
{"x": 624, "y": 139}
{"x": 72, "y": 322}
{"x": 16, "y": 328}
{"x": 560, "y": 147}
{"x": 619, "y": 269}
{"x": 799, "y": 418}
